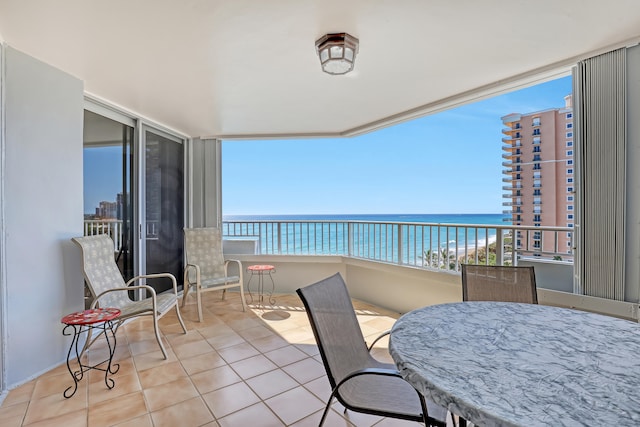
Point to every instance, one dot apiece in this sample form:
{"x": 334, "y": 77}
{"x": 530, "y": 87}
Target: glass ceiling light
{"x": 337, "y": 52}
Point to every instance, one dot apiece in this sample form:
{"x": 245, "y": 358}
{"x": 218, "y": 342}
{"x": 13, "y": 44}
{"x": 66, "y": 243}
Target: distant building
{"x": 539, "y": 174}
{"x": 107, "y": 210}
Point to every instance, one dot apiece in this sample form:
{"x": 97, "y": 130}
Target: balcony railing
{"x": 422, "y": 245}
{"x": 113, "y": 227}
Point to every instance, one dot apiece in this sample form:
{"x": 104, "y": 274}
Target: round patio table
{"x": 511, "y": 364}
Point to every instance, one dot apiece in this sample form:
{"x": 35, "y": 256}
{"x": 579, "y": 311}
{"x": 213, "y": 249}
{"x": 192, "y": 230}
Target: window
{"x": 569, "y": 198}
{"x": 536, "y": 149}
{"x": 536, "y": 218}
{"x": 569, "y": 115}
{"x": 536, "y": 244}
{"x": 569, "y": 152}
{"x": 570, "y": 161}
{"x": 569, "y": 216}
{"x": 569, "y": 134}
{"x": 536, "y": 140}
{"x": 569, "y": 125}
{"x": 569, "y": 207}
{"x": 569, "y": 143}
{"x": 536, "y": 166}
{"x": 569, "y": 180}
{"x": 536, "y": 157}
{"x": 536, "y": 132}
{"x": 569, "y": 189}
{"x": 536, "y": 192}
{"x": 536, "y": 121}
{"x": 569, "y": 171}
{"x": 570, "y": 225}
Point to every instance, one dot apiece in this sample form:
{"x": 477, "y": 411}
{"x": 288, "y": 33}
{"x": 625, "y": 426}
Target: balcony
{"x": 268, "y": 366}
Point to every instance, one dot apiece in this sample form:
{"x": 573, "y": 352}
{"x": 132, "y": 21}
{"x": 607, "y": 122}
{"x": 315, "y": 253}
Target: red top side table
{"x": 77, "y": 324}
{"x": 261, "y": 270}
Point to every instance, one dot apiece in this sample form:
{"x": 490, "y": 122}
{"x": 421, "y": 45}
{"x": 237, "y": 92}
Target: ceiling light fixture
{"x": 337, "y": 52}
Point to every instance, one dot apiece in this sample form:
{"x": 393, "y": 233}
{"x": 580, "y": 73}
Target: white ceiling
{"x": 248, "y": 68}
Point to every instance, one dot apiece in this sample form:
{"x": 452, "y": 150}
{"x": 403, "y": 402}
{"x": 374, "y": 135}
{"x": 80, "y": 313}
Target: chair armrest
{"x": 367, "y": 371}
{"x": 238, "y": 263}
{"x": 127, "y": 289}
{"x": 186, "y": 273}
{"x": 155, "y": 276}
{"x": 382, "y": 335}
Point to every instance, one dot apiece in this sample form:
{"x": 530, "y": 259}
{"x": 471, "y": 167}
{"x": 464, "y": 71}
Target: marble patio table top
{"x": 510, "y": 364}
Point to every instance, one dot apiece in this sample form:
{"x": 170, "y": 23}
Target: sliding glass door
{"x": 134, "y": 192}
{"x": 163, "y": 204}
{"x": 108, "y": 185}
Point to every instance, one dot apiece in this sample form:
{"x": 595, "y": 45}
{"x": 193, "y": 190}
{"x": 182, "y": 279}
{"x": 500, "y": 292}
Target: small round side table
{"x": 261, "y": 271}
{"x": 86, "y": 321}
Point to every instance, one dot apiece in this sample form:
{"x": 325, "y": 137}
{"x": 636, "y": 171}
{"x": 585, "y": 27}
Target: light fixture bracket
{"x": 337, "y": 52}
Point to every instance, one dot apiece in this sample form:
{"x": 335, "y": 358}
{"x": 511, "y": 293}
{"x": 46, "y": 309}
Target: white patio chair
{"x": 206, "y": 268}
{"x": 108, "y": 288}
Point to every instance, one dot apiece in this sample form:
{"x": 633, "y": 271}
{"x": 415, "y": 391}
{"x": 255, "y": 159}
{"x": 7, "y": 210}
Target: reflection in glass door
{"x": 108, "y": 184}
{"x": 164, "y": 206}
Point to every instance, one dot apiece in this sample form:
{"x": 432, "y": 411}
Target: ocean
{"x": 370, "y": 235}
{"x": 492, "y": 219}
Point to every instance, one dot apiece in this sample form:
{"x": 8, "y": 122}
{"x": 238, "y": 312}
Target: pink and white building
{"x": 539, "y": 175}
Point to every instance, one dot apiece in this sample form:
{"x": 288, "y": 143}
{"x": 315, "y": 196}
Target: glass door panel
{"x": 164, "y": 207}
{"x": 108, "y": 157}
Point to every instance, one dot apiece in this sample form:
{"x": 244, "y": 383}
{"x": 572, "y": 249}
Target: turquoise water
{"x": 369, "y": 236}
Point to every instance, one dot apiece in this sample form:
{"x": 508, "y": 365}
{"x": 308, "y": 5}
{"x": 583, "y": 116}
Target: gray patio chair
{"x": 108, "y": 288}
{"x": 499, "y": 283}
{"x": 359, "y": 382}
{"x": 206, "y": 268}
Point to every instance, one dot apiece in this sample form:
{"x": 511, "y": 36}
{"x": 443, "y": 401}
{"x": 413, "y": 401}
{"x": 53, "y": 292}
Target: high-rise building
{"x": 106, "y": 210}
{"x": 539, "y": 175}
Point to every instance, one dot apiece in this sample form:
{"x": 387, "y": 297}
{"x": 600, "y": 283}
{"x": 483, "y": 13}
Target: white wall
{"x": 42, "y": 210}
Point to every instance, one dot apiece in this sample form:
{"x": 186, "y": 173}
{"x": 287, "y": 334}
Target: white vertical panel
{"x": 601, "y": 152}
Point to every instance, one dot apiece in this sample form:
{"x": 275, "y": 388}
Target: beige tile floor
{"x": 255, "y": 368}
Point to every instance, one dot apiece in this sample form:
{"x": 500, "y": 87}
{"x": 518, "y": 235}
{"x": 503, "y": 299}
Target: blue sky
{"x": 449, "y": 162}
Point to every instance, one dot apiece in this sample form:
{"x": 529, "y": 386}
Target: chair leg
{"x": 157, "y": 330}
{"x": 184, "y": 328}
{"x": 185, "y": 291}
{"x": 224, "y": 294}
{"x": 199, "y": 298}
{"x": 244, "y": 304}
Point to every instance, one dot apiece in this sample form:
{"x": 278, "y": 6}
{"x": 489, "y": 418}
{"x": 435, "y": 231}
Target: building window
{"x": 569, "y": 207}
{"x": 569, "y": 189}
{"x": 569, "y": 152}
{"x": 570, "y": 161}
{"x": 536, "y": 157}
{"x": 536, "y": 121}
{"x": 569, "y": 125}
{"x": 536, "y": 140}
{"x": 569, "y": 115}
{"x": 536, "y": 166}
{"x": 569, "y": 134}
{"x": 569, "y": 198}
{"x": 536, "y": 218}
{"x": 537, "y": 149}
{"x": 569, "y": 171}
{"x": 536, "y": 192}
{"x": 569, "y": 216}
{"x": 569, "y": 143}
{"x": 570, "y": 225}
{"x": 536, "y": 244}
{"x": 569, "y": 235}
{"x": 569, "y": 180}
{"x": 536, "y": 132}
